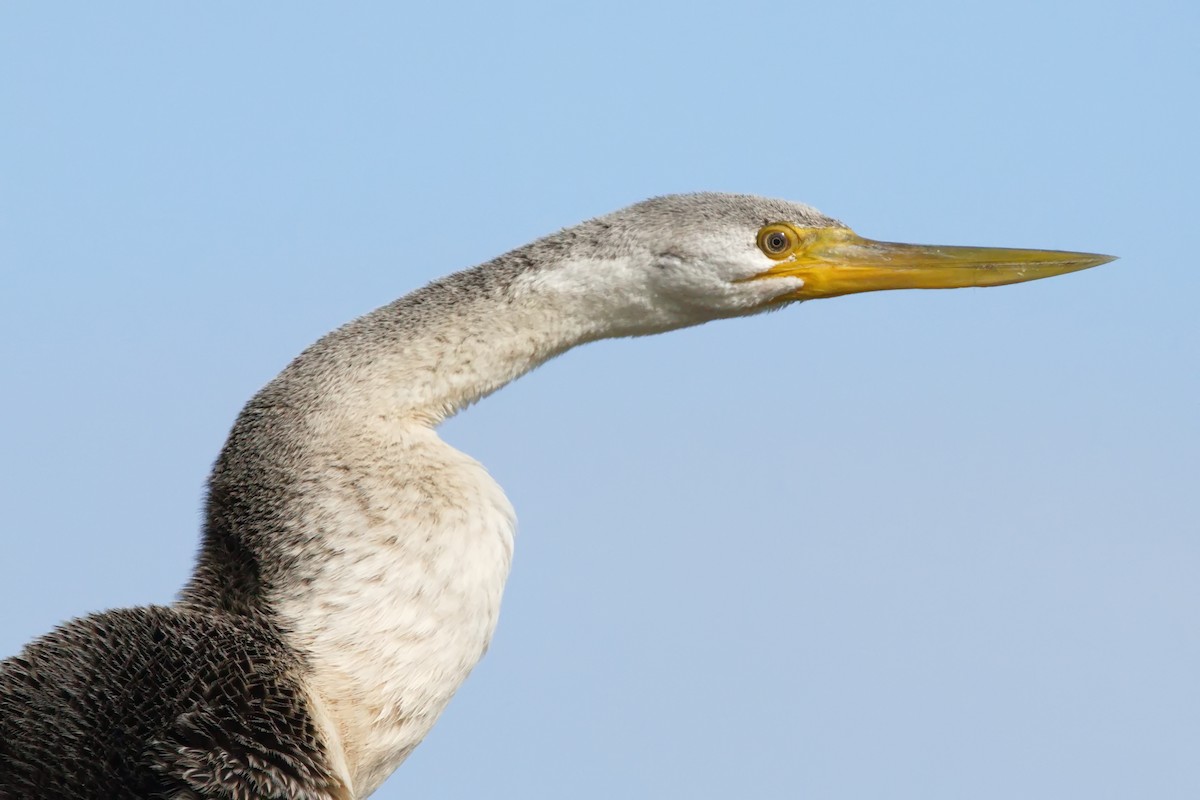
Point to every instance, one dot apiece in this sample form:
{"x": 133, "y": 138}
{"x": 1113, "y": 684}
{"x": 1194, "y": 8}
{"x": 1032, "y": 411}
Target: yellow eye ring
{"x": 776, "y": 241}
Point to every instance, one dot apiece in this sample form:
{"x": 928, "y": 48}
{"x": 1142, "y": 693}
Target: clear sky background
{"x": 904, "y": 545}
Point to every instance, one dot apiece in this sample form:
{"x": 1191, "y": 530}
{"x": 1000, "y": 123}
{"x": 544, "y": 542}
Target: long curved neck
{"x": 411, "y": 363}
{"x": 442, "y": 348}
{"x": 337, "y": 517}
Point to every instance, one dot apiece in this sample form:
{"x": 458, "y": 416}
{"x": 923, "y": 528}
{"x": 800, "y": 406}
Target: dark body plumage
{"x": 158, "y": 703}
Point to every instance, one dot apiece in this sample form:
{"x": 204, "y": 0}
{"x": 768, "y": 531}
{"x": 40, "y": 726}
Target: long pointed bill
{"x": 836, "y": 261}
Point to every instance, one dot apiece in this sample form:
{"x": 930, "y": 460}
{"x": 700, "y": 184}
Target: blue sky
{"x": 922, "y": 544}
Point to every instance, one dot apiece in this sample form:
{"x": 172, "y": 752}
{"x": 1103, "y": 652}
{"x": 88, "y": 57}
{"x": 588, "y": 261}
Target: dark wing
{"x": 159, "y": 703}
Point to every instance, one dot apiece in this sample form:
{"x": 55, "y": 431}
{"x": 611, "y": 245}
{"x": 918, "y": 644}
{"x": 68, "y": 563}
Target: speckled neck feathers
{"x": 336, "y": 515}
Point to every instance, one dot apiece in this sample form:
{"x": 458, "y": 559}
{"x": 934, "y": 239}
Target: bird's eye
{"x": 775, "y": 240}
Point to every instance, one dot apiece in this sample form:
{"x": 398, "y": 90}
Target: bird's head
{"x": 684, "y": 259}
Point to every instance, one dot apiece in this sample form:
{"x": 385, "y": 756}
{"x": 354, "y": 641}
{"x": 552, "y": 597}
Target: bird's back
{"x": 158, "y": 703}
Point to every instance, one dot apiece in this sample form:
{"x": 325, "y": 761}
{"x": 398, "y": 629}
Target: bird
{"x": 352, "y": 564}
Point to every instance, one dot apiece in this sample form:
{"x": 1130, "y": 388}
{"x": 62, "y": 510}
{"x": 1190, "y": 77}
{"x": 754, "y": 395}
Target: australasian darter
{"x": 352, "y": 563}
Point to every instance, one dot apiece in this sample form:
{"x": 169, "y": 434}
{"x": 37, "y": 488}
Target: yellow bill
{"x": 837, "y": 261}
